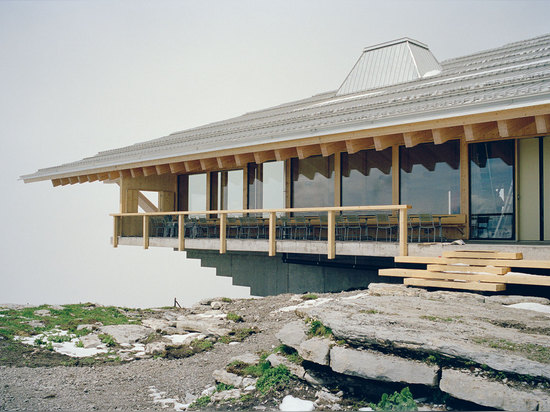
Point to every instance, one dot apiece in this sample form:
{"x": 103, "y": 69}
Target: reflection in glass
{"x": 492, "y": 190}
{"x": 232, "y": 190}
{"x": 313, "y": 181}
{"x": 367, "y": 178}
{"x": 197, "y": 192}
{"x": 266, "y": 185}
{"x": 430, "y": 177}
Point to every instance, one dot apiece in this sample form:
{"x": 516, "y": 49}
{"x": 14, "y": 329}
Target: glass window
{"x": 313, "y": 181}
{"x": 254, "y": 186}
{"x": 197, "y": 192}
{"x": 266, "y": 185}
{"x": 492, "y": 190}
{"x": 367, "y": 178}
{"x": 232, "y": 190}
{"x": 430, "y": 177}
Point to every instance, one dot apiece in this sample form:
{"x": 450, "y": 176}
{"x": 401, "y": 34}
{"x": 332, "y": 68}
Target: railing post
{"x": 181, "y": 233}
{"x": 145, "y": 232}
{"x": 403, "y": 245}
{"x": 272, "y": 233}
{"x": 223, "y": 238}
{"x": 115, "y": 231}
{"x": 331, "y": 235}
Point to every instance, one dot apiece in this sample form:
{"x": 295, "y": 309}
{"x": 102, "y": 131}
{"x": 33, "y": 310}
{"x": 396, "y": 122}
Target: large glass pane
{"x": 430, "y": 178}
{"x": 197, "y": 192}
{"x": 254, "y": 186}
{"x": 492, "y": 190}
{"x": 232, "y": 189}
{"x": 367, "y": 178}
{"x": 273, "y": 195}
{"x": 313, "y": 181}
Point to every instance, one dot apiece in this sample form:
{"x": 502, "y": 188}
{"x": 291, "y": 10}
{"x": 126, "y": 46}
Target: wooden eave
{"x": 495, "y": 125}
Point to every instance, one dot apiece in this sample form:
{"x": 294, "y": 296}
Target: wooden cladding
{"x": 526, "y": 123}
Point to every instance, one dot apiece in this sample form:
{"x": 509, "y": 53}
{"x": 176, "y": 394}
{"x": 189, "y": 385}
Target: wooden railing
{"x": 272, "y": 213}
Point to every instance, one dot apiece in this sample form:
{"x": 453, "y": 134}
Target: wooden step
{"x": 419, "y": 259}
{"x": 468, "y": 269}
{"x": 483, "y": 254}
{"x": 487, "y": 287}
{"x": 537, "y": 264}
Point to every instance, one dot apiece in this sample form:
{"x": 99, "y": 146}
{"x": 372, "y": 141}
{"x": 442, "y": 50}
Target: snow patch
{"x": 290, "y": 403}
{"x": 537, "y": 307}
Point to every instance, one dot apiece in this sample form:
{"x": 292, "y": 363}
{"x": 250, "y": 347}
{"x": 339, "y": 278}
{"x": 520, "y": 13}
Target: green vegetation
{"x": 246, "y": 369}
{"x": 531, "y": 351}
{"x": 316, "y": 328}
{"x": 59, "y": 338}
{"x": 234, "y": 317}
{"x": 290, "y": 353}
{"x": 227, "y": 300}
{"x": 220, "y": 387}
{"x": 79, "y": 344}
{"x": 107, "y": 340}
{"x": 201, "y": 403}
{"x": 273, "y": 380}
{"x": 238, "y": 335}
{"x": 370, "y": 311}
{"x": 309, "y": 296}
{"x": 178, "y": 352}
{"x": 436, "y": 318}
{"x": 399, "y": 401}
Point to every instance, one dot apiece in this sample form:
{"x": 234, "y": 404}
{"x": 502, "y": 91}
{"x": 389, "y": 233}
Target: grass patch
{"x": 234, "y": 317}
{"x": 220, "y": 387}
{"x": 310, "y": 296}
{"x": 201, "y": 403}
{"x": 185, "y": 351}
{"x": 273, "y": 380}
{"x": 290, "y": 353}
{"x": 107, "y": 340}
{"x": 316, "y": 328}
{"x": 531, "y": 351}
{"x": 399, "y": 401}
{"x": 227, "y": 300}
{"x": 238, "y": 335}
{"x": 369, "y": 311}
{"x": 436, "y": 318}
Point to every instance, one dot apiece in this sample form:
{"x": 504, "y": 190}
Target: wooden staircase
{"x": 480, "y": 270}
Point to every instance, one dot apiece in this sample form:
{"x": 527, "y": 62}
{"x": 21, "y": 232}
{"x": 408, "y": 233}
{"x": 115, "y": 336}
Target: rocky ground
{"x": 146, "y": 378}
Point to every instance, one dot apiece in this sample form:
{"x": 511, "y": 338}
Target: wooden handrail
{"x": 272, "y": 213}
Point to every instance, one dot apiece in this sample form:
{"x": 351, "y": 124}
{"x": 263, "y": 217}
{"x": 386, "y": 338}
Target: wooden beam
{"x": 284, "y": 154}
{"x": 226, "y": 162}
{"x": 177, "y": 167}
{"x": 244, "y": 159}
{"x": 146, "y": 204}
{"x": 73, "y": 180}
{"x": 136, "y": 172}
{"x": 445, "y": 134}
{"x": 193, "y": 166}
{"x": 149, "y": 171}
{"x": 483, "y": 254}
{"x": 542, "y": 123}
{"x": 266, "y": 156}
{"x": 126, "y": 173}
{"x": 56, "y": 182}
{"x": 308, "y": 151}
{"x": 383, "y": 142}
{"x": 181, "y": 233}
{"x": 103, "y": 176}
{"x": 64, "y": 181}
{"x": 331, "y": 235}
{"x": 413, "y": 138}
{"x": 468, "y": 269}
{"x": 82, "y": 179}
{"x": 356, "y": 145}
{"x": 114, "y": 175}
{"x": 146, "y": 232}
{"x": 330, "y": 148}
{"x": 272, "y": 233}
{"x": 488, "y": 287}
{"x": 92, "y": 178}
{"x": 209, "y": 164}
{"x": 162, "y": 169}
{"x": 478, "y": 131}
{"x": 516, "y": 127}
{"x": 223, "y": 233}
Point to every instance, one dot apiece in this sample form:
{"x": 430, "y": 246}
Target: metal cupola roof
{"x": 390, "y": 63}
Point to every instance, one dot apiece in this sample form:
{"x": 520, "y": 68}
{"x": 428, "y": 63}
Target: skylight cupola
{"x": 390, "y": 63}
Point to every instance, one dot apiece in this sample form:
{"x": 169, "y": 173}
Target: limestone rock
{"x": 208, "y": 391}
{"x": 292, "y": 334}
{"x": 513, "y": 299}
{"x": 228, "y": 378}
{"x": 325, "y": 398}
{"x": 247, "y": 382}
{"x": 158, "y": 325}
{"x": 480, "y": 390}
{"x": 216, "y": 305}
{"x": 207, "y": 323}
{"x": 393, "y": 289}
{"x": 378, "y": 366}
{"x": 276, "y": 360}
{"x": 126, "y": 334}
{"x": 226, "y": 395}
{"x": 90, "y": 341}
{"x": 42, "y": 312}
{"x": 248, "y": 357}
{"x": 315, "y": 350}
{"x": 35, "y": 323}
{"x": 155, "y": 347}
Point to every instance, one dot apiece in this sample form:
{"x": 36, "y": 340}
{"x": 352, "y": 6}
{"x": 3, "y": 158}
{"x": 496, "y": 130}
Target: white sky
{"x": 79, "y": 77}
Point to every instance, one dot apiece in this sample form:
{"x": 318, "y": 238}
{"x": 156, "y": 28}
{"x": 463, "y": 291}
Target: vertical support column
{"x": 145, "y": 232}
{"x": 223, "y": 233}
{"x": 465, "y": 185}
{"x": 337, "y": 179}
{"x": 245, "y": 187}
{"x": 403, "y": 245}
{"x": 395, "y": 174}
{"x": 288, "y": 184}
{"x": 181, "y": 233}
{"x": 272, "y": 233}
{"x": 115, "y": 230}
{"x": 331, "y": 235}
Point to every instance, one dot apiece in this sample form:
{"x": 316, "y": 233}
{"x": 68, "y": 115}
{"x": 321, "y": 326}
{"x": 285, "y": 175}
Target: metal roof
{"x": 515, "y": 75}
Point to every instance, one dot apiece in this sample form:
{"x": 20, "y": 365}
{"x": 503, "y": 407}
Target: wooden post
{"x": 223, "y": 239}
{"x": 337, "y": 179}
{"x": 181, "y": 233}
{"x": 465, "y": 185}
{"x": 115, "y": 231}
{"x": 272, "y": 233}
{"x": 146, "y": 232}
{"x": 403, "y": 246}
{"x": 331, "y": 235}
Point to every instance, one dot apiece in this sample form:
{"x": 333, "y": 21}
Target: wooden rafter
{"x": 73, "y": 180}
{"x": 162, "y": 169}
{"x": 209, "y": 164}
{"x": 146, "y": 204}
{"x": 177, "y": 167}
{"x": 445, "y": 134}
{"x": 243, "y": 159}
{"x": 126, "y": 174}
{"x": 114, "y": 175}
{"x": 356, "y": 145}
{"x": 149, "y": 171}
{"x": 92, "y": 178}
{"x": 383, "y": 142}
{"x": 543, "y": 123}
{"x": 330, "y": 148}
{"x": 284, "y": 154}
{"x": 193, "y": 166}
{"x": 56, "y": 182}
{"x": 308, "y": 151}
{"x": 226, "y": 162}
{"x": 103, "y": 176}
{"x": 265, "y": 156}
{"x": 516, "y": 127}
{"x": 137, "y": 172}
{"x": 82, "y": 179}
{"x": 64, "y": 181}
{"x": 413, "y": 138}
{"x": 478, "y": 131}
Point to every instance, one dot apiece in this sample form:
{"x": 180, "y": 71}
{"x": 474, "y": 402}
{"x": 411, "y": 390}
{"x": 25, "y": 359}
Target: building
{"x": 304, "y": 195}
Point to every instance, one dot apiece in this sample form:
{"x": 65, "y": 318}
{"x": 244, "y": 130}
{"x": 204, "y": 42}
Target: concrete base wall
{"x": 275, "y": 275}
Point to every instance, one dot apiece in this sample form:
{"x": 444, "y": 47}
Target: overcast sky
{"x": 78, "y": 77}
